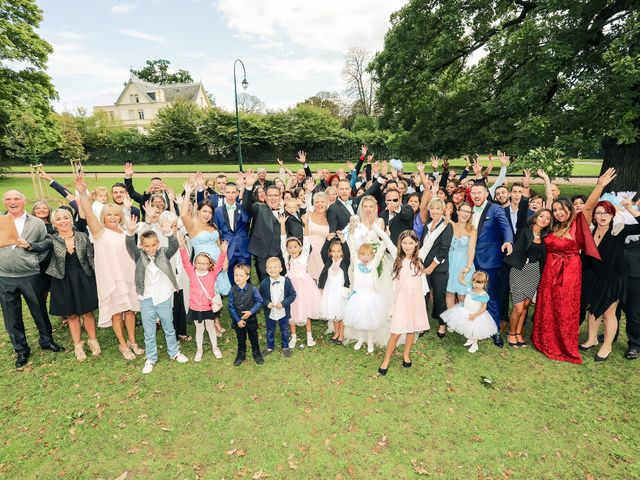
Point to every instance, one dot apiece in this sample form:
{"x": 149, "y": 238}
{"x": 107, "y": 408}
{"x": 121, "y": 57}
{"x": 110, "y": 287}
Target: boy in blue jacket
{"x": 244, "y": 303}
{"x": 278, "y": 295}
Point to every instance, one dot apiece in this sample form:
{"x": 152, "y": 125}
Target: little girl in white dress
{"x": 470, "y": 318}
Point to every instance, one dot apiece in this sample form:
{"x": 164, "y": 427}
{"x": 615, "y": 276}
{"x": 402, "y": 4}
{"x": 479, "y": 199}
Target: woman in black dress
{"x": 608, "y": 287}
{"x": 73, "y": 285}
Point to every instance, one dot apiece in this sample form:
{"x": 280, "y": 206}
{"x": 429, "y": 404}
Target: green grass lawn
{"x": 323, "y": 413}
{"x": 582, "y": 167}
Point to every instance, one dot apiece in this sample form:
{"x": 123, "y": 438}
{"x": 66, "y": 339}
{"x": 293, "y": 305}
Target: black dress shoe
{"x": 53, "y": 346}
{"x": 599, "y": 359}
{"x": 22, "y": 360}
{"x": 406, "y": 364}
{"x": 382, "y": 371}
{"x": 632, "y": 353}
{"x": 497, "y": 340}
{"x": 258, "y": 359}
{"x": 238, "y": 361}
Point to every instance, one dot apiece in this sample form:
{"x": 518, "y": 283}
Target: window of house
{"x": 133, "y": 98}
{"x": 141, "y": 114}
{"x": 112, "y": 115}
{"x": 152, "y": 95}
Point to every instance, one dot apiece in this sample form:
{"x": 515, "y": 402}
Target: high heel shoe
{"x": 599, "y": 359}
{"x": 584, "y": 349}
{"x": 94, "y": 346}
{"x": 515, "y": 344}
{"x": 382, "y": 371}
{"x": 135, "y": 348}
{"x": 441, "y": 334}
{"x": 406, "y": 364}
{"x": 522, "y": 344}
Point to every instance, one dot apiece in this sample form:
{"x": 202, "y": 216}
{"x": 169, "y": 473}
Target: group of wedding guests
{"x": 370, "y": 250}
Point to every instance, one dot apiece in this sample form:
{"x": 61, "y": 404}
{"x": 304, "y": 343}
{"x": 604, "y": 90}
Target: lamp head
{"x": 245, "y": 84}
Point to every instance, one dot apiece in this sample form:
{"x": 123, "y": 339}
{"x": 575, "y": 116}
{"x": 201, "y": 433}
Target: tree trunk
{"x": 626, "y": 160}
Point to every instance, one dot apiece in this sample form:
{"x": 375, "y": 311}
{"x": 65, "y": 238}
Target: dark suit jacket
{"x": 142, "y": 198}
{"x": 440, "y": 248}
{"x": 399, "y": 223}
{"x": 265, "y": 229}
{"x": 493, "y": 231}
{"x": 338, "y": 216}
{"x": 289, "y": 296}
{"x": 238, "y": 238}
{"x": 523, "y": 214}
{"x": 344, "y": 264}
{"x": 294, "y": 227}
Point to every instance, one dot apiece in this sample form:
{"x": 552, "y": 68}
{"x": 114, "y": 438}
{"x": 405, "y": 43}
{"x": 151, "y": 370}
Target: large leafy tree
{"x": 157, "y": 71}
{"x": 474, "y": 75}
{"x": 25, "y": 88}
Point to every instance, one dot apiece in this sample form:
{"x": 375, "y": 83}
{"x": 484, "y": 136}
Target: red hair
{"x": 608, "y": 207}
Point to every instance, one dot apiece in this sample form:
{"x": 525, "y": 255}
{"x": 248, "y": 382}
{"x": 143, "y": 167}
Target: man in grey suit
{"x": 20, "y": 277}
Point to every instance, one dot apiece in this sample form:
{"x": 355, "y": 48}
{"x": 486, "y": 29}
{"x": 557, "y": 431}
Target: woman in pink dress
{"x": 115, "y": 272}
{"x": 318, "y": 232}
{"x": 409, "y": 312}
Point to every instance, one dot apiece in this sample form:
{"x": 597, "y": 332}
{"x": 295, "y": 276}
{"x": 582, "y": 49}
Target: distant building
{"x": 140, "y": 101}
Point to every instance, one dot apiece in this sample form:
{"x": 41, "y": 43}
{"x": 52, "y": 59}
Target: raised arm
{"x": 185, "y": 208}
{"x": 504, "y": 160}
{"x": 382, "y": 235}
{"x": 547, "y": 188}
{"x": 93, "y": 223}
{"x": 128, "y": 181}
{"x": 605, "y": 179}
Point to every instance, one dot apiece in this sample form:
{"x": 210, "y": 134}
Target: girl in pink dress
{"x": 409, "y": 311}
{"x": 307, "y": 303}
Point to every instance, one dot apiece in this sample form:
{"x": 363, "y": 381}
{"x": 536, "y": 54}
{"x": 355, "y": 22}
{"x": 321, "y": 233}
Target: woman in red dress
{"x": 556, "y": 323}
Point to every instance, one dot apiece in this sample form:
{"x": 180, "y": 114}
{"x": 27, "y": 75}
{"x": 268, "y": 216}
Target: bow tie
{"x": 275, "y": 283}
{"x": 231, "y": 208}
{"x": 477, "y": 209}
{"x": 346, "y": 202}
{"x": 363, "y": 268}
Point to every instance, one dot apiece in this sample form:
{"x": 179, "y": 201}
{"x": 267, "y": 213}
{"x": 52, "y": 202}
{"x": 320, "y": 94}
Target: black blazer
{"x": 399, "y": 223}
{"x": 265, "y": 228}
{"x": 632, "y": 260}
{"x": 294, "y": 227}
{"x": 521, "y": 245}
{"x": 338, "y": 216}
{"x": 344, "y": 264}
{"x": 523, "y": 215}
{"x": 440, "y": 248}
{"x": 289, "y": 296}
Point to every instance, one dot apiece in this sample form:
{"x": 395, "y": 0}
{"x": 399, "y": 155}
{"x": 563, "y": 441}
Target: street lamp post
{"x": 245, "y": 84}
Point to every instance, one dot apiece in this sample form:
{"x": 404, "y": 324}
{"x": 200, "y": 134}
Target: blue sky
{"x": 291, "y": 49}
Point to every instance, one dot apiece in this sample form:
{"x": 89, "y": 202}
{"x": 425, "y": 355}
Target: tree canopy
{"x": 157, "y": 71}
{"x": 463, "y": 76}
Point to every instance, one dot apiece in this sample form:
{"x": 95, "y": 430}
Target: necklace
{"x": 67, "y": 238}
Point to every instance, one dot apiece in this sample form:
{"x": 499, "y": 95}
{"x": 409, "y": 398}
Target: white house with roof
{"x": 140, "y": 101}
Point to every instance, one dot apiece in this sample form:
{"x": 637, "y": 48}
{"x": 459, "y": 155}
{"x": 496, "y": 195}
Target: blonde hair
{"x": 366, "y": 248}
{"x": 320, "y": 196}
{"x": 436, "y": 202}
{"x": 111, "y": 207}
{"x": 480, "y": 276}
{"x": 38, "y": 204}
{"x": 64, "y": 211}
{"x": 272, "y": 260}
{"x": 99, "y": 191}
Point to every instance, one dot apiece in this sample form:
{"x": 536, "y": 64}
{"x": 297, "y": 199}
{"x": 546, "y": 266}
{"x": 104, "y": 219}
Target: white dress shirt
{"x": 475, "y": 219}
{"x": 276, "y": 291}
{"x": 157, "y": 285}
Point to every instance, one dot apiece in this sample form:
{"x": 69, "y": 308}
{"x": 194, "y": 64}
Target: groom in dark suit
{"x": 233, "y": 223}
{"x": 495, "y": 236}
{"x": 341, "y": 211}
{"x": 265, "y": 232}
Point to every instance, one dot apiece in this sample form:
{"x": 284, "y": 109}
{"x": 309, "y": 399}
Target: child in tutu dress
{"x": 409, "y": 310}
{"x": 365, "y": 310}
{"x": 307, "y": 303}
{"x": 334, "y": 283}
{"x": 471, "y": 318}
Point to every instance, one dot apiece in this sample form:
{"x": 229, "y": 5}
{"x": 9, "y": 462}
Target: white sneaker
{"x": 473, "y": 348}
{"x": 198, "y": 356}
{"x": 180, "y": 358}
{"x": 217, "y": 353}
{"x": 292, "y": 342}
{"x": 468, "y": 343}
{"x": 148, "y": 367}
{"x": 310, "y": 342}
{"x": 358, "y": 344}
{"x": 369, "y": 347}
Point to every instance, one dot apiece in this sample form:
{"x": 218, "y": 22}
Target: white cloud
{"x": 330, "y": 25}
{"x": 141, "y": 35}
{"x": 123, "y": 8}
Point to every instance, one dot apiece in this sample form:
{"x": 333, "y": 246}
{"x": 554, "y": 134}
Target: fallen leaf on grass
{"x": 419, "y": 467}
{"x": 123, "y": 476}
{"x": 292, "y": 464}
{"x": 260, "y": 475}
{"x": 238, "y": 452}
{"x": 380, "y": 445}
{"x": 476, "y": 438}
{"x": 133, "y": 450}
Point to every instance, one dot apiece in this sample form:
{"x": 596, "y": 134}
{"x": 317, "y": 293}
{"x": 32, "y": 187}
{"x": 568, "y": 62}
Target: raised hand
{"x": 385, "y": 168}
{"x": 166, "y": 226}
{"x": 375, "y": 168}
{"x": 199, "y": 178}
{"x": 526, "y": 179}
{"x": 445, "y": 164}
{"x": 181, "y": 240}
{"x": 350, "y": 166}
{"x": 128, "y": 170}
{"x": 420, "y": 167}
{"x": 126, "y": 202}
{"x": 363, "y": 150}
{"x": 504, "y": 159}
{"x": 148, "y": 208}
{"x": 132, "y": 224}
{"x": 607, "y": 177}
{"x": 302, "y": 157}
{"x": 282, "y": 218}
{"x": 370, "y": 158}
{"x": 309, "y": 185}
{"x": 434, "y": 162}
{"x": 81, "y": 186}
{"x": 171, "y": 194}
{"x": 188, "y": 188}
{"x": 250, "y": 178}
{"x": 477, "y": 167}
{"x": 279, "y": 162}
{"x": 543, "y": 175}
{"x": 45, "y": 175}
{"x": 467, "y": 161}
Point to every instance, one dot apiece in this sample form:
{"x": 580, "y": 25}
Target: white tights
{"x": 211, "y": 330}
{"x": 369, "y": 338}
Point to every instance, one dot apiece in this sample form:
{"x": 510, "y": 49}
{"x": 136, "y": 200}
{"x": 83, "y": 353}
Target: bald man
{"x": 20, "y": 277}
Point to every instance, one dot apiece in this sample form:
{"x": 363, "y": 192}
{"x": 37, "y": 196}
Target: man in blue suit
{"x": 233, "y": 224}
{"x": 495, "y": 236}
